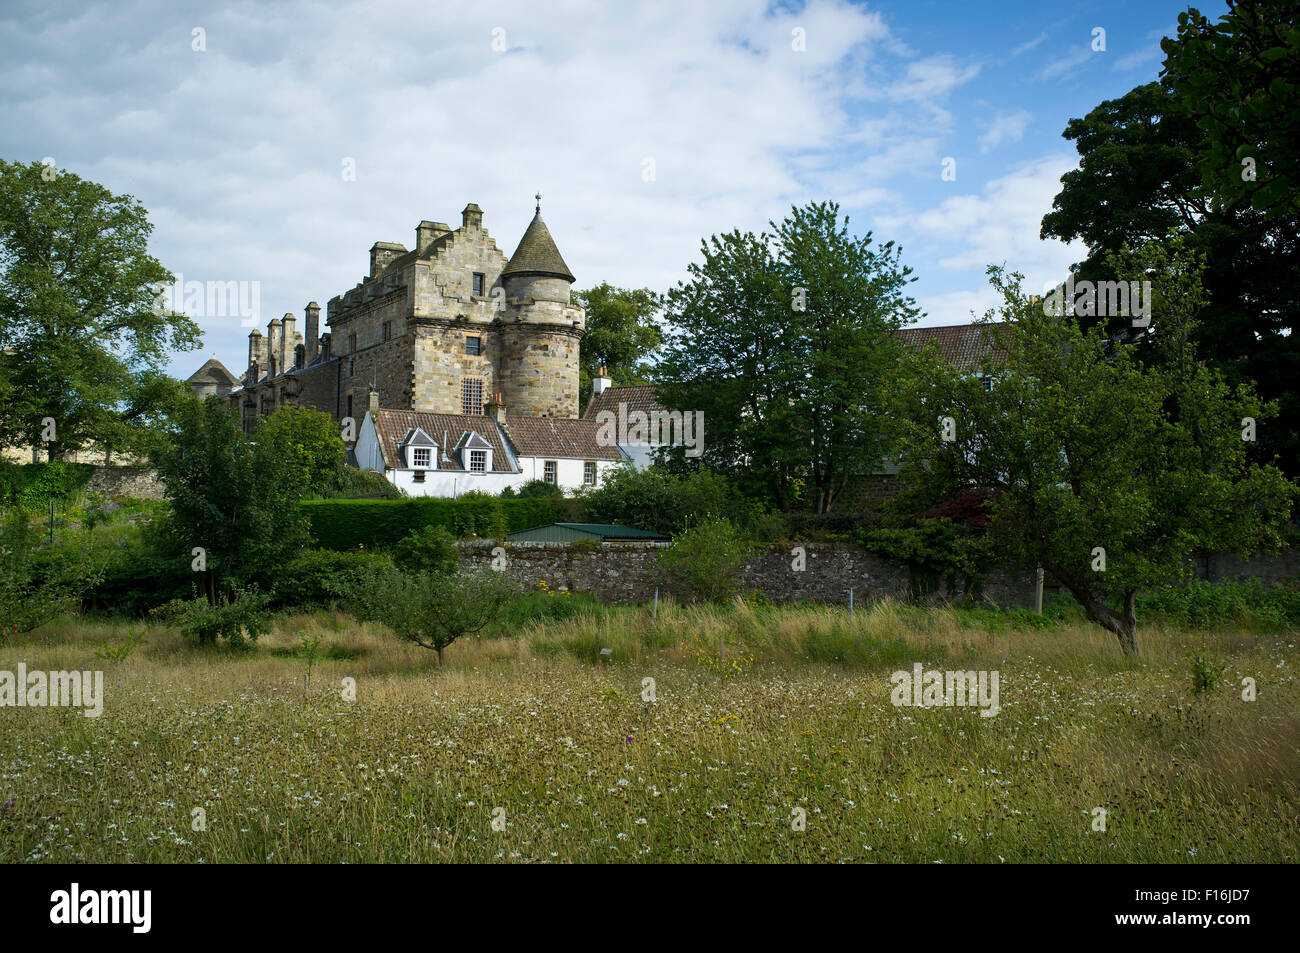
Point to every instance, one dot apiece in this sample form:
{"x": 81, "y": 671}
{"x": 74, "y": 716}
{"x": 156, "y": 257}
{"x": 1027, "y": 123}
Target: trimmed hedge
{"x": 379, "y": 524}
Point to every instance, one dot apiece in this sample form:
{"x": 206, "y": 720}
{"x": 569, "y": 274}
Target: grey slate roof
{"x": 537, "y": 254}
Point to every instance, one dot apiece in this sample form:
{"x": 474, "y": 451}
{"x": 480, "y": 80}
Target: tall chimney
{"x": 256, "y": 348}
{"x": 287, "y": 341}
{"x": 601, "y": 381}
{"x": 312, "y": 311}
{"x": 496, "y": 409}
{"x": 373, "y": 404}
{"x": 274, "y": 340}
{"x": 471, "y": 216}
{"x": 426, "y": 233}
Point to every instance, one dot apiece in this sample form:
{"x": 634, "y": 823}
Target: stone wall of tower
{"x": 538, "y": 368}
{"x": 441, "y": 364}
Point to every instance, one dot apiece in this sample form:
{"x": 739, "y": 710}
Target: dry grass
{"x": 758, "y": 712}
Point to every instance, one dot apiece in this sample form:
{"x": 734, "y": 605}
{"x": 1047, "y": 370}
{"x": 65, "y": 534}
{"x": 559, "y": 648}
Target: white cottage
{"x": 428, "y": 454}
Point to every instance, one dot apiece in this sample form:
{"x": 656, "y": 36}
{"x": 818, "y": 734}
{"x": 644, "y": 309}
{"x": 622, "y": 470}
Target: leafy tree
{"x": 662, "y": 501}
{"x": 1110, "y": 473}
{"x": 309, "y": 439}
{"x": 428, "y": 549}
{"x": 785, "y": 341}
{"x": 702, "y": 563}
{"x": 622, "y": 335}
{"x": 432, "y": 610}
{"x": 235, "y": 499}
{"x": 537, "y": 489}
{"x": 83, "y": 343}
{"x": 1239, "y": 81}
{"x": 1138, "y": 181}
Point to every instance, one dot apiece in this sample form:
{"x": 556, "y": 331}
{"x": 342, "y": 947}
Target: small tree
{"x": 1111, "y": 473}
{"x": 235, "y": 500}
{"x": 701, "y": 564}
{"x": 428, "y": 549}
{"x": 432, "y": 610}
{"x": 309, "y": 440}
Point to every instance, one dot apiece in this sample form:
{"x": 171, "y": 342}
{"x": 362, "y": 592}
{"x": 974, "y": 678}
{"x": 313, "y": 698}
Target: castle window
{"x": 471, "y": 396}
{"x": 388, "y": 330}
{"x": 352, "y": 366}
{"x": 548, "y": 471}
{"x": 478, "y": 461}
{"x": 478, "y": 284}
{"x": 473, "y": 346}
{"x": 589, "y": 473}
{"x": 420, "y": 456}
{"x": 349, "y": 413}
{"x": 352, "y": 343}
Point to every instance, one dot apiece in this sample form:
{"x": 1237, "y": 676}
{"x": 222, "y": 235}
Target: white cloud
{"x": 1029, "y": 45}
{"x": 1009, "y": 127}
{"x": 1067, "y": 63}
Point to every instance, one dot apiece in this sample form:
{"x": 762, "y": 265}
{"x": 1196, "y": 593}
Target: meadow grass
{"x": 757, "y": 712}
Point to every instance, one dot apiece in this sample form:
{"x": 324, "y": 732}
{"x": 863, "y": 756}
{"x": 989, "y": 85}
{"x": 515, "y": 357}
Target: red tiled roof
{"x": 558, "y": 437}
{"x": 637, "y": 397}
{"x": 446, "y": 431}
{"x": 964, "y": 346}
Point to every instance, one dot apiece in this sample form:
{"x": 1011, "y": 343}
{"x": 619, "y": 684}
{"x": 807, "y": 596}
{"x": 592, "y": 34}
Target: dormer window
{"x": 475, "y": 453}
{"x": 419, "y": 451}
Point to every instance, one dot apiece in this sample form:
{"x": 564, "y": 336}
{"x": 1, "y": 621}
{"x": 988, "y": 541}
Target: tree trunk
{"x": 1123, "y": 624}
{"x": 440, "y": 656}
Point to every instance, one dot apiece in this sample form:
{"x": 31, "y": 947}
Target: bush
{"x": 351, "y": 483}
{"x": 701, "y": 564}
{"x": 539, "y": 489}
{"x": 428, "y": 549}
{"x": 381, "y": 524}
{"x": 1241, "y": 602}
{"x": 238, "y": 621}
{"x": 33, "y": 485}
{"x": 321, "y": 578}
{"x": 665, "y": 502}
{"x": 38, "y": 584}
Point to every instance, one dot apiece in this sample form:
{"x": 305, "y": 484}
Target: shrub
{"x": 428, "y": 549}
{"x": 351, "y": 483}
{"x": 33, "y": 485}
{"x": 320, "y": 578}
{"x": 238, "y": 620}
{"x": 1245, "y": 602}
{"x": 539, "y": 489}
{"x": 38, "y": 583}
{"x": 432, "y": 610}
{"x": 665, "y": 502}
{"x": 701, "y": 564}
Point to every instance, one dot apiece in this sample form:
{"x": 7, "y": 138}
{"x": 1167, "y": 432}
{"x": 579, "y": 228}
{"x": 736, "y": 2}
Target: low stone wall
{"x": 621, "y": 573}
{"x": 138, "y": 483}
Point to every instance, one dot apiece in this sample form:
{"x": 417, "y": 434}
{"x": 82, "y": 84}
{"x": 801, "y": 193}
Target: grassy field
{"x": 758, "y": 712}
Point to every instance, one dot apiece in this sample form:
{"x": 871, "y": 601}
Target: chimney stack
{"x": 426, "y": 233}
{"x": 496, "y": 409}
{"x": 601, "y": 381}
{"x": 312, "y": 311}
{"x": 274, "y": 342}
{"x": 471, "y": 216}
{"x": 256, "y": 348}
{"x": 288, "y": 332}
{"x": 373, "y": 404}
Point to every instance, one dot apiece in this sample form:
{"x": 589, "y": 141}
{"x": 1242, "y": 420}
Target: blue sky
{"x": 738, "y": 110}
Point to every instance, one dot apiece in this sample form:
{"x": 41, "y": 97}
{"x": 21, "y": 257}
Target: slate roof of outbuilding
{"x": 637, "y": 397}
{"x": 964, "y": 346}
{"x": 558, "y": 437}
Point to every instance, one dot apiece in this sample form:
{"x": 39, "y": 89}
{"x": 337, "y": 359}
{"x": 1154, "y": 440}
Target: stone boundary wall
{"x": 620, "y": 573}
{"x": 138, "y": 483}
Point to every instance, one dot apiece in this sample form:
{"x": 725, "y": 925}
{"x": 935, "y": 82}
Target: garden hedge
{"x": 371, "y": 524}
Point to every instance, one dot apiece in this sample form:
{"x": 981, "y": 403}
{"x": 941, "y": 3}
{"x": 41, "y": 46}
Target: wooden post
{"x": 1038, "y": 591}
{"x": 850, "y": 603}
{"x": 656, "y": 608}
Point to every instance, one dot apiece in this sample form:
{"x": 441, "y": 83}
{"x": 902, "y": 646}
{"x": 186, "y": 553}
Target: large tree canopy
{"x": 83, "y": 342}
{"x": 622, "y": 335}
{"x": 1108, "y": 471}
{"x": 1139, "y": 180}
{"x": 785, "y": 341}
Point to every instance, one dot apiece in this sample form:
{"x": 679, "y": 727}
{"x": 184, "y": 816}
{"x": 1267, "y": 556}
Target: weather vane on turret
{"x": 538, "y": 196}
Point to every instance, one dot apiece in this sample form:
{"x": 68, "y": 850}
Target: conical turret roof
{"x": 537, "y": 254}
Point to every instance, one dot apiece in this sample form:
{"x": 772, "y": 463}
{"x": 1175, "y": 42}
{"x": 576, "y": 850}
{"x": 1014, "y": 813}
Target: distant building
{"x": 212, "y": 379}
